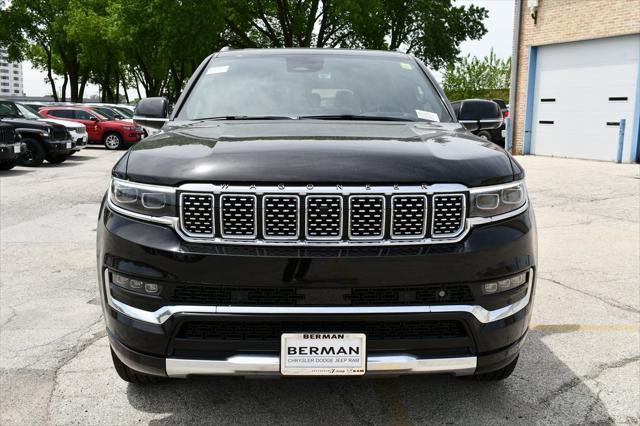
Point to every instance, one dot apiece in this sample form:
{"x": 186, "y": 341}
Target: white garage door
{"x": 582, "y": 90}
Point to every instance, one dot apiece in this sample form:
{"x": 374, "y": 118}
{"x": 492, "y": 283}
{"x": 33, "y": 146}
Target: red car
{"x": 114, "y": 134}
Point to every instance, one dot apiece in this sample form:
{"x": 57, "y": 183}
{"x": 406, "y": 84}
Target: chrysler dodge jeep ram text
{"x": 315, "y": 212}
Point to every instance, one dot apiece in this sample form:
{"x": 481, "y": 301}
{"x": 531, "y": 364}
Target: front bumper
{"x": 149, "y": 340}
{"x": 60, "y": 147}
{"x": 80, "y": 140}
{"x": 11, "y": 151}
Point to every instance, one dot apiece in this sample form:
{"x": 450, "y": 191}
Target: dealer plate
{"x": 323, "y": 354}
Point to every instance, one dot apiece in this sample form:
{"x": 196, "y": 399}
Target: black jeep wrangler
{"x": 42, "y": 140}
{"x": 315, "y": 212}
{"x": 10, "y": 147}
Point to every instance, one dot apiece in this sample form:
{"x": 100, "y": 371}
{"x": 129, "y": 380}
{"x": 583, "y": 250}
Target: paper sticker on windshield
{"x": 218, "y": 70}
{"x": 427, "y": 115}
{"x": 405, "y": 66}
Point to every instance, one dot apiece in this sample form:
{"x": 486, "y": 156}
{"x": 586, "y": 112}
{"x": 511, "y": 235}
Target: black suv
{"x": 314, "y": 212}
{"x": 10, "y": 147}
{"x": 42, "y": 140}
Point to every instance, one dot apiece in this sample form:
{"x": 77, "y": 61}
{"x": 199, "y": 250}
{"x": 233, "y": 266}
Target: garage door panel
{"x": 581, "y": 78}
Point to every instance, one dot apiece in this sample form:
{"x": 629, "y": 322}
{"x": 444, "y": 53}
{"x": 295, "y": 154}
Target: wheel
{"x": 132, "y": 376}
{"x": 484, "y": 135}
{"x": 7, "y": 164}
{"x": 495, "y": 376}
{"x": 56, "y": 158}
{"x": 113, "y": 141}
{"x": 33, "y": 155}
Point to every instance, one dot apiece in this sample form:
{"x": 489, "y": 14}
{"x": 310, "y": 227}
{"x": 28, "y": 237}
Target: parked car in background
{"x": 10, "y": 146}
{"x": 489, "y": 131}
{"x": 114, "y": 134}
{"x": 109, "y": 112}
{"x": 124, "y": 113}
{"x": 43, "y": 141}
{"x": 78, "y": 131}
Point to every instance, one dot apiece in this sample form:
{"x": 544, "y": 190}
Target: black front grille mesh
{"x": 197, "y": 214}
{"x": 448, "y": 214}
{"x": 366, "y": 216}
{"x": 281, "y": 216}
{"x": 238, "y": 215}
{"x": 324, "y": 217}
{"x": 198, "y": 294}
{"x": 409, "y": 216}
{"x": 272, "y": 330}
{"x": 7, "y": 134}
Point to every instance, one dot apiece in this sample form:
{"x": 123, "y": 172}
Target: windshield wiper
{"x": 246, "y": 117}
{"x": 353, "y": 117}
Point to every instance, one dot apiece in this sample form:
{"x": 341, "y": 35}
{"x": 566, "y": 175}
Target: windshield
{"x": 9, "y": 110}
{"x": 124, "y": 111}
{"x": 28, "y": 112}
{"x": 106, "y": 112}
{"x": 314, "y": 85}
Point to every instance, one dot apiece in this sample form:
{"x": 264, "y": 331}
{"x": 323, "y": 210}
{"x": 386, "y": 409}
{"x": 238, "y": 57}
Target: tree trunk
{"x": 54, "y": 92}
{"x": 124, "y": 87}
{"x": 83, "y": 83}
{"x": 64, "y": 87}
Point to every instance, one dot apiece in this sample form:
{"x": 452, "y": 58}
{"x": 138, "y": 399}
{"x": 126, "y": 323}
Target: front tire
{"x": 132, "y": 376}
{"x": 485, "y": 135}
{"x": 56, "y": 158}
{"x": 113, "y": 141}
{"x": 495, "y": 376}
{"x": 7, "y": 165}
{"x": 33, "y": 155}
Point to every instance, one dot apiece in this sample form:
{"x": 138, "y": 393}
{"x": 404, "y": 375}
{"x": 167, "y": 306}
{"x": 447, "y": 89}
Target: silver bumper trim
{"x": 270, "y": 365}
{"x": 163, "y": 314}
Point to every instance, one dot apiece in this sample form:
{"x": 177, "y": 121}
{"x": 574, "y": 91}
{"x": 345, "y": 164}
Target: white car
{"x": 78, "y": 131}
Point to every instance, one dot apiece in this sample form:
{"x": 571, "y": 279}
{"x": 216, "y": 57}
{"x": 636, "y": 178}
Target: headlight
{"x": 130, "y": 128}
{"x": 45, "y": 133}
{"x": 150, "y": 200}
{"x": 497, "y": 200}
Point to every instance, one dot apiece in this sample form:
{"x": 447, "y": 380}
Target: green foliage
{"x": 157, "y": 44}
{"x": 487, "y": 77}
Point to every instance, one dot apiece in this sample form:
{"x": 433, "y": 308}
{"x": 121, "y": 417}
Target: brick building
{"x": 576, "y": 79}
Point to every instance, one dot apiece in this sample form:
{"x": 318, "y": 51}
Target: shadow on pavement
{"x": 78, "y": 157}
{"x": 541, "y": 390}
{"x": 15, "y": 172}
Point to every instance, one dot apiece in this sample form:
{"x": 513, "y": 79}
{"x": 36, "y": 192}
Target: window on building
{"x": 4, "y": 90}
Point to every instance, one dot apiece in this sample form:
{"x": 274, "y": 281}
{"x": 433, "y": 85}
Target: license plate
{"x": 16, "y": 149}
{"x": 503, "y": 133}
{"x": 323, "y": 354}
{"x": 68, "y": 144}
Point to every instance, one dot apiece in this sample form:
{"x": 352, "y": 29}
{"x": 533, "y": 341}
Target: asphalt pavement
{"x": 580, "y": 364}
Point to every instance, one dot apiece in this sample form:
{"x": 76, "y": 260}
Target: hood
{"x": 314, "y": 151}
{"x": 22, "y": 123}
{"x": 67, "y": 124}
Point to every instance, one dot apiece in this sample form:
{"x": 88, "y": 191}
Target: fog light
{"x": 504, "y": 284}
{"x": 151, "y": 288}
{"x": 135, "y": 285}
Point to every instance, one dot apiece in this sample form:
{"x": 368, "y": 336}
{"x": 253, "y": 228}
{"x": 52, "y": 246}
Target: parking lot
{"x": 581, "y": 362}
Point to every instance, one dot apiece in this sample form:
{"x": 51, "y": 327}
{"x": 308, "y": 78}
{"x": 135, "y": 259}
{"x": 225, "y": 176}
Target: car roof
{"x": 311, "y": 51}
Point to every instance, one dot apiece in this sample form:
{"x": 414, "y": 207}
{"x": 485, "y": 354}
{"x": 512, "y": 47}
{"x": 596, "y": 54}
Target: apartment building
{"x": 11, "y": 83}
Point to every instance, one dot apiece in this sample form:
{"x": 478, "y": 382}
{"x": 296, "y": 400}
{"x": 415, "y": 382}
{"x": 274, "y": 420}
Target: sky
{"x": 499, "y": 26}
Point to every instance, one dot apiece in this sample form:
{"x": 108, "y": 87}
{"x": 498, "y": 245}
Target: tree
{"x": 488, "y": 77}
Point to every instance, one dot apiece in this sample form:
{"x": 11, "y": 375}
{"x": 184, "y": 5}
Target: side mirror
{"x": 93, "y": 118}
{"x": 152, "y": 112}
{"x": 479, "y": 114}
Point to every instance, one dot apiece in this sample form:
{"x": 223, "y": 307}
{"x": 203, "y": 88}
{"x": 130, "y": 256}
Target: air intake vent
{"x": 7, "y": 134}
{"x": 448, "y": 215}
{"x": 408, "y": 216}
{"x": 324, "y": 217}
{"x": 197, "y": 214}
{"x": 366, "y": 216}
{"x": 280, "y": 213}
{"x": 238, "y": 216}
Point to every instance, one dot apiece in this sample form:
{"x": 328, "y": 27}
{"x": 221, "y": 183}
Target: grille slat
{"x": 197, "y": 214}
{"x": 7, "y": 134}
{"x": 281, "y": 216}
{"x": 448, "y": 215}
{"x": 409, "y": 215}
{"x": 238, "y": 216}
{"x": 366, "y": 216}
{"x": 324, "y": 217}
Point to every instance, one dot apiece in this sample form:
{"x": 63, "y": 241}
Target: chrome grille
{"x": 324, "y": 217}
{"x": 280, "y": 216}
{"x": 196, "y": 214}
{"x": 238, "y": 216}
{"x": 7, "y": 134}
{"x": 448, "y": 215}
{"x": 366, "y": 216}
{"x": 408, "y": 216}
